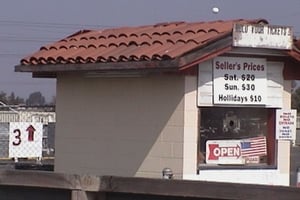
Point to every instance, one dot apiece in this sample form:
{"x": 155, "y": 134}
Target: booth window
{"x": 235, "y": 135}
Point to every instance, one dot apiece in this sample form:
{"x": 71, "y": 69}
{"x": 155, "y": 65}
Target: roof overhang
{"x": 210, "y": 51}
{"x": 180, "y": 64}
{"x": 50, "y": 71}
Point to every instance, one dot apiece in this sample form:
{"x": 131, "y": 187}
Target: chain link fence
{"x": 46, "y": 122}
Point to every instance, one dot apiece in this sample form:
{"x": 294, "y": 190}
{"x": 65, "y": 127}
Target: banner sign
{"x": 262, "y": 36}
{"x": 238, "y": 80}
{"x": 236, "y": 151}
{"x": 286, "y": 121}
{"x": 25, "y": 139}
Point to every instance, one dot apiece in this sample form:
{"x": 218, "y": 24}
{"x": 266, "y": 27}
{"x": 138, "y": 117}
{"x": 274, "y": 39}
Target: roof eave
{"x": 50, "y": 71}
{"x": 210, "y": 51}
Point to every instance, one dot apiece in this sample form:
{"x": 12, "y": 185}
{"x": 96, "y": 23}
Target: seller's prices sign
{"x": 239, "y": 80}
{"x": 286, "y": 121}
{"x": 224, "y": 152}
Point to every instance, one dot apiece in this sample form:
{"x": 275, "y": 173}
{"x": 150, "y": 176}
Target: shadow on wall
{"x": 125, "y": 127}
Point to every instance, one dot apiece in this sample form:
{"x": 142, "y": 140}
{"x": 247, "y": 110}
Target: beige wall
{"x": 120, "y": 126}
{"x": 190, "y": 127}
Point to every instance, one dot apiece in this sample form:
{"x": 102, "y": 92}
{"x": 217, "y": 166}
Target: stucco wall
{"x": 119, "y": 126}
{"x": 190, "y": 126}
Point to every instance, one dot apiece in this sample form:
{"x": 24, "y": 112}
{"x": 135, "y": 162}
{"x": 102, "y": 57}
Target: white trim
{"x": 257, "y": 51}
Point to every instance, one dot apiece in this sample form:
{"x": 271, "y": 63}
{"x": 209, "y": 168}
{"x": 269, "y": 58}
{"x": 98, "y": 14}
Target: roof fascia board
{"x": 224, "y": 46}
{"x": 165, "y": 64}
{"x": 258, "y": 51}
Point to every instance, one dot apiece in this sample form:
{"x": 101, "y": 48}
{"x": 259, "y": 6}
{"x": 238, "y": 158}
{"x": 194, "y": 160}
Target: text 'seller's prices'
{"x": 239, "y": 81}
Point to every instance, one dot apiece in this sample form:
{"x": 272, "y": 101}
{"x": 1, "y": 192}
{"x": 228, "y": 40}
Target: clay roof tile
{"x": 149, "y": 42}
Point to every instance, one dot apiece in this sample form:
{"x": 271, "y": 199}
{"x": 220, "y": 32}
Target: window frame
{"x": 271, "y": 144}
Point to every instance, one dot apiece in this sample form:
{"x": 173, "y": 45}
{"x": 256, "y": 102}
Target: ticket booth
{"x": 241, "y": 96}
{"x": 201, "y": 99}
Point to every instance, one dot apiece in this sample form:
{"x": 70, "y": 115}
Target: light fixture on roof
{"x": 167, "y": 173}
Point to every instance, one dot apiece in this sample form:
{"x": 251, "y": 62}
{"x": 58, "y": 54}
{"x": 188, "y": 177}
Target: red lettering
{"x": 216, "y": 151}
{"x": 212, "y": 148}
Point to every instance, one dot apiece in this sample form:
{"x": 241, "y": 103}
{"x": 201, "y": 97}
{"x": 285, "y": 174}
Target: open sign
{"x": 224, "y": 152}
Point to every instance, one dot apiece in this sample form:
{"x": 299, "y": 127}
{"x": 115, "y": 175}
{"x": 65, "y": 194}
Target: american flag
{"x": 256, "y": 146}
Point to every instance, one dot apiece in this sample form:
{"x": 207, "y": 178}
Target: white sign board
{"x": 238, "y": 80}
{"x": 244, "y": 151}
{"x": 224, "y": 152}
{"x": 25, "y": 139}
{"x": 262, "y": 36}
{"x": 286, "y": 124}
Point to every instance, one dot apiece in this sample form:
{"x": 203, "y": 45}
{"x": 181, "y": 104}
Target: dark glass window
{"x": 235, "y": 124}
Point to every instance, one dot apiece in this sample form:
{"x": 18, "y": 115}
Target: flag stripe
{"x": 254, "y": 147}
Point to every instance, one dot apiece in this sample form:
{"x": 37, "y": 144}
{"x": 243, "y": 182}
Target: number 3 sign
{"x": 25, "y": 139}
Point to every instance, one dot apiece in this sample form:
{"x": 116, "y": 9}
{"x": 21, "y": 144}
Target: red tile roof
{"x": 164, "y": 41}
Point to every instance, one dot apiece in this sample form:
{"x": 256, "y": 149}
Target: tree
{"x": 36, "y": 99}
{"x": 3, "y": 97}
{"x": 53, "y": 101}
{"x": 19, "y": 100}
{"x": 13, "y": 100}
{"x": 296, "y": 99}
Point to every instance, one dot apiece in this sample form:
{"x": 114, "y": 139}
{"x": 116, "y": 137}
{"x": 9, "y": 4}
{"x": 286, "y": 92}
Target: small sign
{"x": 239, "y": 80}
{"x": 252, "y": 160}
{"x": 224, "y": 152}
{"x": 286, "y": 121}
{"x": 244, "y": 151}
{"x": 25, "y": 139}
{"x": 262, "y": 36}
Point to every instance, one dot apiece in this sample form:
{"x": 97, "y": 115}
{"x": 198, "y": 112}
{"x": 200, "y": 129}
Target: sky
{"x": 27, "y": 25}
